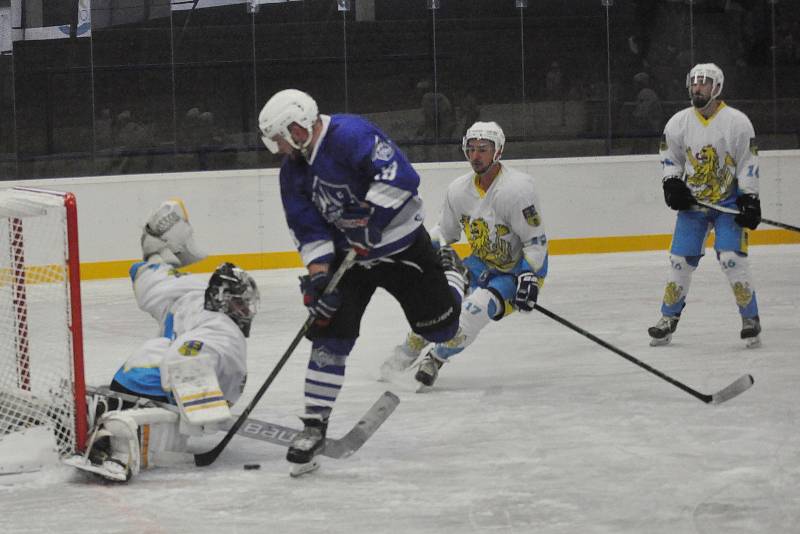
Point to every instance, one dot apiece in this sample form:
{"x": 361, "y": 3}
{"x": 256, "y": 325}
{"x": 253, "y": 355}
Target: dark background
{"x": 160, "y": 90}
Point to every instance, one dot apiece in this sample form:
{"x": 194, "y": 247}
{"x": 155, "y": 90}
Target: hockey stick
{"x": 732, "y": 211}
{"x": 740, "y": 385}
{"x": 207, "y": 458}
{"x": 284, "y": 435}
{"x": 334, "y": 448}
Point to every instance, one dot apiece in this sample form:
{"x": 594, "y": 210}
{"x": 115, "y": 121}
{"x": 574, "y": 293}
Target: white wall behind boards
{"x": 239, "y": 212}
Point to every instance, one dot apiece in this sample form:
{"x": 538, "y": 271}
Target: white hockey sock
{"x": 737, "y": 269}
{"x": 474, "y": 316}
{"x": 678, "y": 282}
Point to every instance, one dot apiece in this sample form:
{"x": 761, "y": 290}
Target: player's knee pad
{"x": 476, "y": 312}
{"x": 736, "y": 267}
{"x": 678, "y": 282}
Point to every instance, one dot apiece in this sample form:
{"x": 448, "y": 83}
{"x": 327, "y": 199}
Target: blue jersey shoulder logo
{"x": 382, "y": 150}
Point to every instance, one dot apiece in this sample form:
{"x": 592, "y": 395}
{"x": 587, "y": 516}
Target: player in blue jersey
{"x": 344, "y": 184}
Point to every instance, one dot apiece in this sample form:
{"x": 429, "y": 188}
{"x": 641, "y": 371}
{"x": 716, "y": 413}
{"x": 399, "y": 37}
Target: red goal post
{"x": 41, "y": 339}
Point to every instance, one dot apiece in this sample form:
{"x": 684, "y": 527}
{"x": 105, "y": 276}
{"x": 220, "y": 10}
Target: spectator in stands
{"x": 553, "y": 83}
{"x": 647, "y": 115}
{"x": 438, "y": 118}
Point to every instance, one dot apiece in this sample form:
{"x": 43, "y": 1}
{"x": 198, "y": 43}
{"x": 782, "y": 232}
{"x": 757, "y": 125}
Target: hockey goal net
{"x": 41, "y": 344}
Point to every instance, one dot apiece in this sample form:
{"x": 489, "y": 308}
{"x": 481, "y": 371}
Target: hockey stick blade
{"x": 742, "y": 384}
{"x": 334, "y": 448}
{"x": 732, "y": 390}
{"x": 283, "y": 435}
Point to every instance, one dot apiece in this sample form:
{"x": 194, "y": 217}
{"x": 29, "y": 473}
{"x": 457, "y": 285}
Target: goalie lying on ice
{"x": 198, "y": 362}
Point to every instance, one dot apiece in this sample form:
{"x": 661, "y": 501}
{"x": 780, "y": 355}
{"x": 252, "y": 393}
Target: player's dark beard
{"x": 700, "y": 101}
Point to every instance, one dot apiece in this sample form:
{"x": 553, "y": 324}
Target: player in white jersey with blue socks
{"x": 709, "y": 153}
{"x": 498, "y": 209}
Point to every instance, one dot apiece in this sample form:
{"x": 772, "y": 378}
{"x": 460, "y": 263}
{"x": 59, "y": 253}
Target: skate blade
{"x": 657, "y": 342}
{"x": 422, "y": 388}
{"x": 752, "y": 342}
{"x": 297, "y": 470}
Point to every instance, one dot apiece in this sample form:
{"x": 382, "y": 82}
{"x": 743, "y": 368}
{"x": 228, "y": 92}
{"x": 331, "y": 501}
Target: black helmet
{"x": 233, "y": 292}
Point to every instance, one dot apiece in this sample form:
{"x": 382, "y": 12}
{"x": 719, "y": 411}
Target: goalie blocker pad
{"x": 197, "y": 393}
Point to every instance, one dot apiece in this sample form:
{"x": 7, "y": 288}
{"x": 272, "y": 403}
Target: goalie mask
{"x": 233, "y": 292}
{"x": 701, "y": 73}
{"x": 280, "y": 111}
{"x": 490, "y": 131}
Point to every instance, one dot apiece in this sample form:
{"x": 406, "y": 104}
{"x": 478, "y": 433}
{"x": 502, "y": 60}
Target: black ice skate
{"x": 428, "y": 369}
{"x": 661, "y": 333}
{"x": 306, "y": 445}
{"x": 751, "y": 328}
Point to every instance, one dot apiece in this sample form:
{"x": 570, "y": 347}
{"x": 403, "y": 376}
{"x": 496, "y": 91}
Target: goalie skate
{"x": 108, "y": 470}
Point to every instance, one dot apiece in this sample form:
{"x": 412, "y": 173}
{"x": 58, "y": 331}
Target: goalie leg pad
{"x": 193, "y": 381}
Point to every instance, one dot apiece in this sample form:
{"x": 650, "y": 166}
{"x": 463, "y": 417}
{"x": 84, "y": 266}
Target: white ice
{"x": 533, "y": 429}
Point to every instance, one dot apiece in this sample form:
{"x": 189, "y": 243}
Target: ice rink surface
{"x": 533, "y": 429}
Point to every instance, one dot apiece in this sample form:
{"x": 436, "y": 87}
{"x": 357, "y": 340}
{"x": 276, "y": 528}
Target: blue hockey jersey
{"x": 352, "y": 162}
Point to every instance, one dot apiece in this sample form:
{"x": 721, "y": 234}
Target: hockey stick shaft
{"x": 727, "y": 393}
{"x": 723, "y": 209}
{"x": 208, "y": 457}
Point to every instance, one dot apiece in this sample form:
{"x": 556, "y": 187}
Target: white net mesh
{"x": 37, "y": 372}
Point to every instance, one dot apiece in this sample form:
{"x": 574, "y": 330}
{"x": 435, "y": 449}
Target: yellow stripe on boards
{"x": 580, "y": 245}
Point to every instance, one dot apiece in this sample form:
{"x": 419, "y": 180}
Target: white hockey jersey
{"x": 501, "y": 224}
{"x": 716, "y": 155}
{"x": 187, "y": 329}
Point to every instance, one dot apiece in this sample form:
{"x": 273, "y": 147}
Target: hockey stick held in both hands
{"x": 740, "y": 385}
{"x": 733, "y": 211}
{"x": 207, "y": 458}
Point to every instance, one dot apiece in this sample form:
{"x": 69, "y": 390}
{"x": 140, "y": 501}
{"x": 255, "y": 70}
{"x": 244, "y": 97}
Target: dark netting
{"x": 163, "y": 86}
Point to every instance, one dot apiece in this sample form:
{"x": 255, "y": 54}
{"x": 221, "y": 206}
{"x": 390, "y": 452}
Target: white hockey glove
{"x": 169, "y": 234}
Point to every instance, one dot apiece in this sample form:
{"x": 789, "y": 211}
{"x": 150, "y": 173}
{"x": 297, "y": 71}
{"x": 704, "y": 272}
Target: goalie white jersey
{"x": 716, "y": 155}
{"x": 175, "y": 300}
{"x": 501, "y": 224}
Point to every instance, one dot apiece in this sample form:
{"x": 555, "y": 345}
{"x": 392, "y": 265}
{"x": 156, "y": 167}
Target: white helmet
{"x": 703, "y": 71}
{"x": 284, "y": 108}
{"x": 490, "y": 131}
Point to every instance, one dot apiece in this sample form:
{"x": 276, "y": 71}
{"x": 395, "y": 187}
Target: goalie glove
{"x": 320, "y": 305}
{"x": 750, "y": 211}
{"x": 168, "y": 234}
{"x": 677, "y": 194}
{"x": 527, "y": 292}
{"x": 359, "y": 228}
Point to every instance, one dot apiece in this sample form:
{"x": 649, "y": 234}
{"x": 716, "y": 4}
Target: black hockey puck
{"x": 249, "y": 467}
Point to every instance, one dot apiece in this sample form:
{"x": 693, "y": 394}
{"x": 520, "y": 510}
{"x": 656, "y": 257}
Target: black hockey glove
{"x": 677, "y": 194}
{"x": 321, "y": 306}
{"x": 527, "y": 292}
{"x": 359, "y": 228}
{"x": 750, "y": 211}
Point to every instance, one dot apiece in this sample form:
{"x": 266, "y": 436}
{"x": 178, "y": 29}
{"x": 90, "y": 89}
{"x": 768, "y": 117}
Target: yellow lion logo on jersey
{"x": 495, "y": 253}
{"x": 710, "y": 182}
